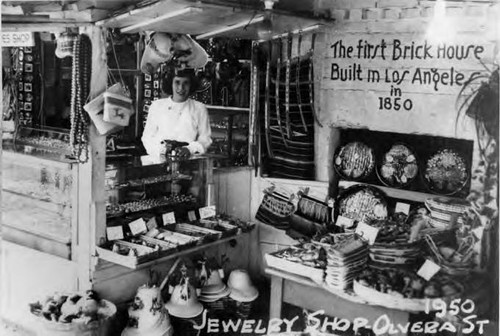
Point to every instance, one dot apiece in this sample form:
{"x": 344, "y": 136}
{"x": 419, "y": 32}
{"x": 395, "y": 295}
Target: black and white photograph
{"x": 250, "y": 167}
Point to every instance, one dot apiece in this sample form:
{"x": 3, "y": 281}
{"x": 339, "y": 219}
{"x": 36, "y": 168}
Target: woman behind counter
{"x": 177, "y": 118}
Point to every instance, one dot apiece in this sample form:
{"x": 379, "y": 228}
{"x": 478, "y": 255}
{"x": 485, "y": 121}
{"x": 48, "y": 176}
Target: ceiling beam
{"x": 164, "y": 17}
{"x": 241, "y": 24}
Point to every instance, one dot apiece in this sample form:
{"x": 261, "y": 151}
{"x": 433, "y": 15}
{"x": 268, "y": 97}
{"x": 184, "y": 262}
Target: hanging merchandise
{"x": 180, "y": 49}
{"x": 95, "y": 109}
{"x": 275, "y": 209}
{"x": 80, "y": 88}
{"x": 117, "y": 108}
{"x": 65, "y": 44}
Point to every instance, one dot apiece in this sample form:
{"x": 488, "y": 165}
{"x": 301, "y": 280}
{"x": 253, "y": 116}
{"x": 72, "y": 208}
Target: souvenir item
{"x": 95, "y": 109}
{"x": 241, "y": 286}
{"x": 362, "y": 204}
{"x": 354, "y": 161}
{"x": 184, "y": 302}
{"x": 446, "y": 213}
{"x": 117, "y": 109}
{"x": 147, "y": 314}
{"x": 275, "y": 210}
{"x": 446, "y": 172}
{"x": 398, "y": 167}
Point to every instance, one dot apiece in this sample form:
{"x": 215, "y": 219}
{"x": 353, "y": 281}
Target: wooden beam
{"x": 91, "y": 193}
{"x": 241, "y": 24}
{"x": 164, "y": 17}
{"x": 41, "y": 27}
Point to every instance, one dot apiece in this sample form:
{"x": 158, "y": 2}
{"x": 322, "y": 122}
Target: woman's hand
{"x": 183, "y": 152}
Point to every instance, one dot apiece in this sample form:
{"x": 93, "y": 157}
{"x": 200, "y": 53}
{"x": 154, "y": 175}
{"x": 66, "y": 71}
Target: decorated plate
{"x": 446, "y": 172}
{"x": 362, "y": 204}
{"x": 354, "y": 161}
{"x": 398, "y": 167}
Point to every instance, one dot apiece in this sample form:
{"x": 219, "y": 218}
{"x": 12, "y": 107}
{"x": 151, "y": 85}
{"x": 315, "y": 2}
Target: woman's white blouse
{"x": 185, "y": 122}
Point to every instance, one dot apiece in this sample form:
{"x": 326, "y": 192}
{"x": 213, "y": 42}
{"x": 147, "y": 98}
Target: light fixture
{"x": 265, "y": 28}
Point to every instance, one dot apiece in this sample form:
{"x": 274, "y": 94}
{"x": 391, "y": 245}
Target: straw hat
{"x": 163, "y": 47}
{"x": 147, "y": 314}
{"x": 184, "y": 303}
{"x": 241, "y": 286}
{"x": 214, "y": 284}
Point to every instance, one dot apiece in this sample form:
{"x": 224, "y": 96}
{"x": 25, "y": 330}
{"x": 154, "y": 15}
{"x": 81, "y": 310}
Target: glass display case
{"x": 37, "y": 198}
{"x": 147, "y": 186}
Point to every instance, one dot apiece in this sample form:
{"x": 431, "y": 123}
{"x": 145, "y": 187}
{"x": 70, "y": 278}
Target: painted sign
{"x": 18, "y": 39}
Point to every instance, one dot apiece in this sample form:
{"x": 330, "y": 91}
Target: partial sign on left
{"x": 18, "y": 39}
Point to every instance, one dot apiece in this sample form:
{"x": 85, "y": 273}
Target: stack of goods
{"x": 346, "y": 257}
{"x": 354, "y": 161}
{"x": 308, "y": 260}
{"x": 147, "y": 314}
{"x": 403, "y": 289}
{"x": 398, "y": 167}
{"x": 397, "y": 241}
{"x": 243, "y": 293}
{"x": 74, "y": 313}
{"x": 446, "y": 172}
{"x": 362, "y": 204}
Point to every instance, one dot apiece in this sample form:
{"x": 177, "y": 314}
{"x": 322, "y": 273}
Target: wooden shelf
{"x": 187, "y": 251}
{"x": 415, "y": 196}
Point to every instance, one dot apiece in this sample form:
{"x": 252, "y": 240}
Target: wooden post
{"x": 91, "y": 194}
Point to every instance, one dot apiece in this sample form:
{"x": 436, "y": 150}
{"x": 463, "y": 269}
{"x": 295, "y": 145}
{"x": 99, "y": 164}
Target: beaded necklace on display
{"x": 79, "y": 93}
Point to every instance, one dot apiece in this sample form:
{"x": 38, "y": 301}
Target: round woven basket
{"x": 366, "y": 163}
{"x": 79, "y": 328}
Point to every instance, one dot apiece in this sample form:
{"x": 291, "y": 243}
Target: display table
{"x": 303, "y": 292}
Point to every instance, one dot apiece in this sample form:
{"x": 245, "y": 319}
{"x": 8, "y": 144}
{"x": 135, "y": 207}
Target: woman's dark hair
{"x": 186, "y": 73}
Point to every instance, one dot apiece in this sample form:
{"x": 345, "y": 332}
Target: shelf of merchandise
{"x": 409, "y": 195}
{"x": 191, "y": 250}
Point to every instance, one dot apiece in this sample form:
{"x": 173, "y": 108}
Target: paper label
{"x": 168, "y": 218}
{"x": 114, "y": 232}
{"x": 221, "y": 273}
{"x": 478, "y": 232}
{"x": 368, "y": 232}
{"x": 428, "y": 269}
{"x": 344, "y": 222}
{"x": 191, "y": 215}
{"x": 330, "y": 202}
{"x": 207, "y": 212}
{"x": 151, "y": 224}
{"x": 137, "y": 226}
{"x": 402, "y": 207}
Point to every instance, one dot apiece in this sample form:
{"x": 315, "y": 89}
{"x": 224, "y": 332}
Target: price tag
{"x": 191, "y": 215}
{"x": 344, "y": 222}
{"x": 221, "y": 273}
{"x": 168, "y": 218}
{"x": 428, "y": 269}
{"x": 402, "y": 207}
{"x": 368, "y": 232}
{"x": 330, "y": 202}
{"x": 207, "y": 212}
{"x": 114, "y": 232}
{"x": 137, "y": 226}
{"x": 151, "y": 224}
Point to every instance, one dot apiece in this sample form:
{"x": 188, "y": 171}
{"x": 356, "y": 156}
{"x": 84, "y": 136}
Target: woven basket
{"x": 77, "y": 328}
